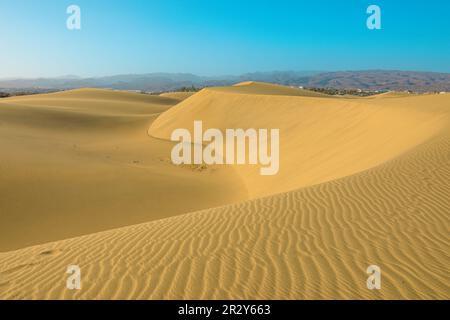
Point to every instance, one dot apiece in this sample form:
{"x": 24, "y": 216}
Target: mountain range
{"x": 159, "y": 82}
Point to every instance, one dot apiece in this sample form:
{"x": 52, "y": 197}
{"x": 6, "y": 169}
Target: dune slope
{"x": 314, "y": 243}
{"x": 75, "y": 163}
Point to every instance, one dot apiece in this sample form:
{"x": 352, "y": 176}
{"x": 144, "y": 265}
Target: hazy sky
{"x": 215, "y": 37}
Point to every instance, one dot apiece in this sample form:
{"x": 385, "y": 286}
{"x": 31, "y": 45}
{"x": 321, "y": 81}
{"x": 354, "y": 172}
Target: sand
{"x": 180, "y": 96}
{"x": 79, "y": 162}
{"x": 363, "y": 181}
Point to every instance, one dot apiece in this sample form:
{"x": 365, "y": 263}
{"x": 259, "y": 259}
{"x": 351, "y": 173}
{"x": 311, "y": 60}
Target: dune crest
{"x": 320, "y": 139}
{"x": 180, "y": 96}
{"x": 261, "y": 88}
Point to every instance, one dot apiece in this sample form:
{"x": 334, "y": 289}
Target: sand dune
{"x": 74, "y": 163}
{"x": 320, "y": 139}
{"x": 363, "y": 181}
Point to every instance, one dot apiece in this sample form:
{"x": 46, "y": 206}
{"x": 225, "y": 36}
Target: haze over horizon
{"x": 213, "y": 76}
{"x": 213, "y": 38}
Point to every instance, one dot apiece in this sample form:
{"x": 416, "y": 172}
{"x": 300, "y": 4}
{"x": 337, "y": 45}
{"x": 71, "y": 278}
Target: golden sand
{"x": 180, "y": 96}
{"x": 362, "y": 181}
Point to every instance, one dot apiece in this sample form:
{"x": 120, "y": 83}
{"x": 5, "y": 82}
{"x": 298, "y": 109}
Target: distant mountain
{"x": 157, "y": 82}
{"x": 153, "y": 82}
{"x": 281, "y": 77}
{"x": 383, "y": 80}
{"x": 365, "y": 80}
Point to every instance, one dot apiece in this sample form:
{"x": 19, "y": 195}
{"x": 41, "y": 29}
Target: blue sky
{"x": 217, "y": 37}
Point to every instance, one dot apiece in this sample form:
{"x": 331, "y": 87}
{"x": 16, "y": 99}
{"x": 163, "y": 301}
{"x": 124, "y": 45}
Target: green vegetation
{"x": 343, "y": 92}
{"x": 188, "y": 89}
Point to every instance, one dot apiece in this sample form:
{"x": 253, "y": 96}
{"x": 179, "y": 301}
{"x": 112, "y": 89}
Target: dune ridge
{"x": 180, "y": 96}
{"x": 261, "y": 88}
{"x": 320, "y": 139}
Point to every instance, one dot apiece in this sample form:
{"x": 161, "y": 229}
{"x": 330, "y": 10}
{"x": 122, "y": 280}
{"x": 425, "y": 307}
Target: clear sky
{"x": 218, "y": 37}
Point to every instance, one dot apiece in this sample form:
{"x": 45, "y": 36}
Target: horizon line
{"x": 74, "y": 76}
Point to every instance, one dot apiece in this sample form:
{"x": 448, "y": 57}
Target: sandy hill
{"x": 99, "y": 101}
{"x": 362, "y": 181}
{"x": 81, "y": 161}
{"x": 320, "y": 139}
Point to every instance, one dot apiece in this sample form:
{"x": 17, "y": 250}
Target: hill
{"x": 160, "y": 82}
